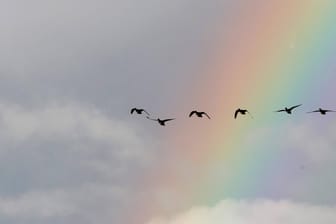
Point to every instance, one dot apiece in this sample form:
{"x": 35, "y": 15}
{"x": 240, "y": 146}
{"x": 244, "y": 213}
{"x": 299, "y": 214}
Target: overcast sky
{"x": 70, "y": 70}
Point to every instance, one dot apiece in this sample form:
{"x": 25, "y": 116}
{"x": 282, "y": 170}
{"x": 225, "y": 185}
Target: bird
{"x": 322, "y": 111}
{"x": 139, "y": 111}
{"x": 161, "y": 122}
{"x": 288, "y": 110}
{"x": 242, "y": 111}
{"x": 198, "y": 114}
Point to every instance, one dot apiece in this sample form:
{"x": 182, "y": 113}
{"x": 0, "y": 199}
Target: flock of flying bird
{"x": 238, "y": 111}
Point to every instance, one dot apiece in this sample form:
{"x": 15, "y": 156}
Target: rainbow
{"x": 277, "y": 53}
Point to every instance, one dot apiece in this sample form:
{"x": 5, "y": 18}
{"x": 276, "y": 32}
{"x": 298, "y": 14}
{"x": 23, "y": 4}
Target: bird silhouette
{"x": 321, "y": 111}
{"x": 198, "y": 114}
{"x": 288, "y": 110}
{"x": 241, "y": 111}
{"x": 161, "y": 122}
{"x": 139, "y": 111}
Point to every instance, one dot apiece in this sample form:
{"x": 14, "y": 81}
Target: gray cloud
{"x": 68, "y": 161}
{"x": 86, "y": 204}
{"x": 69, "y": 73}
{"x": 109, "y": 53}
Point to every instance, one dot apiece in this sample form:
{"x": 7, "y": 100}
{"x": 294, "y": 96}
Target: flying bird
{"x": 322, "y": 111}
{"x": 198, "y": 114}
{"x": 138, "y": 111}
{"x": 241, "y": 111}
{"x": 161, "y": 122}
{"x": 288, "y": 110}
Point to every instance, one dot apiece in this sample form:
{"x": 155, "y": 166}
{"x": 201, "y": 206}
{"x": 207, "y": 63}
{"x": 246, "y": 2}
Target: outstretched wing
{"x": 145, "y": 112}
{"x": 279, "y": 110}
{"x": 293, "y": 107}
{"x": 314, "y": 111}
{"x": 330, "y": 111}
{"x": 165, "y": 120}
{"x": 132, "y": 110}
{"x": 236, "y": 113}
{"x": 192, "y": 112}
{"x": 151, "y": 118}
{"x": 206, "y": 115}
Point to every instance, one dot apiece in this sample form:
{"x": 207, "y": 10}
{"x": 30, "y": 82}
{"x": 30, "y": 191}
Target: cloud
{"x": 83, "y": 202}
{"x": 102, "y": 57}
{"x": 69, "y": 122}
{"x": 36, "y": 205}
{"x": 67, "y": 160}
{"x": 254, "y": 212}
{"x": 105, "y": 148}
{"x": 125, "y": 51}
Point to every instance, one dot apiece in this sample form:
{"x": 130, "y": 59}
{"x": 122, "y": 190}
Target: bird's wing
{"x": 165, "y": 120}
{"x": 145, "y": 112}
{"x": 151, "y": 118}
{"x": 314, "y": 111}
{"x": 132, "y": 110}
{"x": 330, "y": 111}
{"x": 236, "y": 113}
{"x": 206, "y": 115}
{"x": 279, "y": 110}
{"x": 192, "y": 112}
{"x": 293, "y": 107}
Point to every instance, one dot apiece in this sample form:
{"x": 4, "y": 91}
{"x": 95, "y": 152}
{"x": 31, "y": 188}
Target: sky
{"x": 71, "y": 152}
